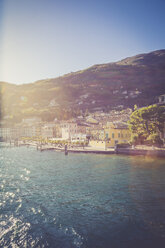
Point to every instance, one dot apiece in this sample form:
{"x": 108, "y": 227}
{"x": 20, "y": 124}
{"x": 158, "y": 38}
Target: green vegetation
{"x": 146, "y": 125}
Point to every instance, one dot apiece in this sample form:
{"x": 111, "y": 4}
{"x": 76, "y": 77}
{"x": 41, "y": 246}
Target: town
{"x": 96, "y": 131}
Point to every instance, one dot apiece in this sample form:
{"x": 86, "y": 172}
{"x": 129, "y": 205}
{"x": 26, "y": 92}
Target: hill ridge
{"x": 134, "y": 80}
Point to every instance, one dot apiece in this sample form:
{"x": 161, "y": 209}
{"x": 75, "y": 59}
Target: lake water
{"x": 48, "y": 199}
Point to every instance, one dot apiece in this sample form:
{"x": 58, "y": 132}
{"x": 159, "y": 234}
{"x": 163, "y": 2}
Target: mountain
{"x": 134, "y": 80}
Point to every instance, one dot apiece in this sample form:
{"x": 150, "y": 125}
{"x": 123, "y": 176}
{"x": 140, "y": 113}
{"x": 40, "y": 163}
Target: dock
{"x": 148, "y": 151}
{"x": 78, "y": 150}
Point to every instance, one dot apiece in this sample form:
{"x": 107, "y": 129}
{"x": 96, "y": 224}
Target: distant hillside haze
{"x": 134, "y": 80}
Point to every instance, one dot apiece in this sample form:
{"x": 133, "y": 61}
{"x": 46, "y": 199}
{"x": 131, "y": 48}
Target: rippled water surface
{"x": 48, "y": 199}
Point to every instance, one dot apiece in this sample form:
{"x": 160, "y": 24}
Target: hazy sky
{"x": 47, "y": 38}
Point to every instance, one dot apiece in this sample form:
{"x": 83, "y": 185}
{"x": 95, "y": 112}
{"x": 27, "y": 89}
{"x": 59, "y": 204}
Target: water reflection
{"x": 81, "y": 200}
{"x": 145, "y": 188}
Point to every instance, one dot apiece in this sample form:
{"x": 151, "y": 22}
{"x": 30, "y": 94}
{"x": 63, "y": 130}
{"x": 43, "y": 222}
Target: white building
{"x": 28, "y": 131}
{"x": 69, "y": 129}
{"x": 5, "y": 133}
{"x": 48, "y": 131}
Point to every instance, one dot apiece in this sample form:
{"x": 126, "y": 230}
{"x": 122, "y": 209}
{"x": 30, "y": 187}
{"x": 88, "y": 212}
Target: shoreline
{"x": 144, "y": 152}
{"x": 121, "y": 151}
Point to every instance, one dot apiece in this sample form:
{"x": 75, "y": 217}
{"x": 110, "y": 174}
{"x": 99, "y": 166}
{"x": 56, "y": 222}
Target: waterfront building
{"x": 82, "y": 127}
{"x": 38, "y": 130}
{"x": 15, "y": 133}
{"x": 99, "y": 144}
{"x": 5, "y": 133}
{"x": 10, "y": 133}
{"x": 58, "y": 130}
{"x": 97, "y": 133}
{"x": 117, "y": 133}
{"x": 28, "y": 131}
{"x": 92, "y": 130}
{"x": 68, "y": 129}
{"x": 48, "y": 131}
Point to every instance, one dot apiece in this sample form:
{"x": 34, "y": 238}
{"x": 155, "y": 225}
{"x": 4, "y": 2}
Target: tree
{"x": 147, "y": 123}
{"x": 154, "y": 139}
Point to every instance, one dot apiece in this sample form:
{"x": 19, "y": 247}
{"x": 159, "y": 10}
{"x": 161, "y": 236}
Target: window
{"x": 113, "y": 135}
{"x": 118, "y": 135}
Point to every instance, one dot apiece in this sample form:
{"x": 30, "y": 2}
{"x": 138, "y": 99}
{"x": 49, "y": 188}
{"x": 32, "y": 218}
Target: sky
{"x": 42, "y": 39}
